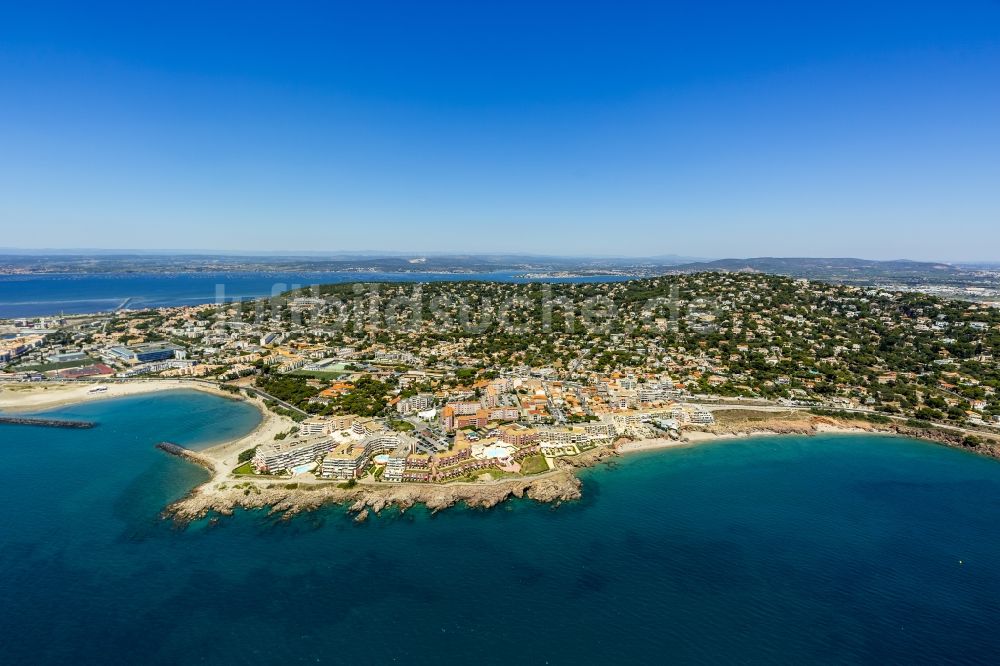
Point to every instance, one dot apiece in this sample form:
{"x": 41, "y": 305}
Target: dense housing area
{"x": 443, "y": 380}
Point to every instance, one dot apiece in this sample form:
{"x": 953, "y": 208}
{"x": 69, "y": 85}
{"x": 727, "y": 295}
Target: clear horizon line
{"x": 367, "y": 252}
{"x": 37, "y": 251}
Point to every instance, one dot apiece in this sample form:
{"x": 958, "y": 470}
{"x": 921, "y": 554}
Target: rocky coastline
{"x": 291, "y": 498}
{"x": 980, "y": 443}
{"x": 287, "y": 497}
{"x": 225, "y": 492}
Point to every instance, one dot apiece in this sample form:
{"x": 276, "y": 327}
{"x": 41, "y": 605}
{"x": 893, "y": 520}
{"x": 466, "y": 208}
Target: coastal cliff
{"x": 291, "y": 498}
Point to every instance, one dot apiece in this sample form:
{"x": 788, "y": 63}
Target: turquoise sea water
{"x": 834, "y": 549}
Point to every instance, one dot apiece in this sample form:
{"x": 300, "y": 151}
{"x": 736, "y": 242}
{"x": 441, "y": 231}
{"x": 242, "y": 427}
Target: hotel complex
{"x": 484, "y": 436}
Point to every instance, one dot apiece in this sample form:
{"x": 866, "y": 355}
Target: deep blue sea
{"x": 832, "y": 549}
{"x": 45, "y": 295}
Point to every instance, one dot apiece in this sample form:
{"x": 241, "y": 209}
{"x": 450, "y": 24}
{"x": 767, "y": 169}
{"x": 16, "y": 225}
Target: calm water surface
{"x": 834, "y": 549}
{"x": 44, "y": 295}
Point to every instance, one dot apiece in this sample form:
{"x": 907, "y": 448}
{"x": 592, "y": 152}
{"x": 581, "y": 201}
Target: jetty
{"x": 181, "y": 452}
{"x": 172, "y": 449}
{"x": 46, "y": 423}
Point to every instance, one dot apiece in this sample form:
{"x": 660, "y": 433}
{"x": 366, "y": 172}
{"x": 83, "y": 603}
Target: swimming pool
{"x": 498, "y": 451}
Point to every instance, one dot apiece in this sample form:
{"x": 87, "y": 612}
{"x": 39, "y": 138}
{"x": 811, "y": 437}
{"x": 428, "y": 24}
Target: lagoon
{"x": 44, "y": 295}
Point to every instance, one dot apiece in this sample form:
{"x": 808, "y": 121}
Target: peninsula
{"x": 377, "y": 393}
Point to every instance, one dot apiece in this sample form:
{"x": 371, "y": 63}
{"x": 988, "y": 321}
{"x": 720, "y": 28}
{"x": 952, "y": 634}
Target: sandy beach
{"x": 225, "y": 492}
{"x": 221, "y": 458}
{"x": 693, "y": 437}
{"x": 225, "y": 456}
{"x": 648, "y": 444}
{"x": 31, "y": 397}
{"x": 27, "y": 397}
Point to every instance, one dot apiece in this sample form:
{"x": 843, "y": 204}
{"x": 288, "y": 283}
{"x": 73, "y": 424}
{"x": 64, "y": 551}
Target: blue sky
{"x": 705, "y": 129}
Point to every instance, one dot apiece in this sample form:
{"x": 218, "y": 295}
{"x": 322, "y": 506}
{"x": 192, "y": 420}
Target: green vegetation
{"x": 247, "y": 455}
{"x": 245, "y": 469}
{"x": 368, "y": 398}
{"x": 534, "y": 465}
{"x": 465, "y": 374}
{"x": 736, "y": 415}
{"x": 750, "y": 335}
{"x": 808, "y": 344}
{"x": 859, "y": 416}
{"x": 288, "y": 388}
{"x": 318, "y": 374}
{"x": 48, "y": 367}
{"x": 283, "y": 411}
{"x": 491, "y": 474}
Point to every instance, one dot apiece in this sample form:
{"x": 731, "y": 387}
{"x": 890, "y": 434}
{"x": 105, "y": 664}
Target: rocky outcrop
{"x": 291, "y": 498}
{"x": 193, "y": 456}
{"x": 811, "y": 425}
{"x": 223, "y": 496}
{"x": 586, "y": 459}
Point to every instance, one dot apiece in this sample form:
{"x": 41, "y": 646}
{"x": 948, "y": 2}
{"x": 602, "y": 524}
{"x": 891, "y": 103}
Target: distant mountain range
{"x": 159, "y": 262}
{"x": 847, "y": 270}
{"x": 335, "y": 255}
{"x": 827, "y": 268}
{"x": 977, "y": 282}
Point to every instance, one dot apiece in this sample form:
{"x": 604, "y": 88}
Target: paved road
{"x": 268, "y": 396}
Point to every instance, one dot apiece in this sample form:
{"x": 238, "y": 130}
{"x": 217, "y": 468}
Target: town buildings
{"x": 488, "y": 370}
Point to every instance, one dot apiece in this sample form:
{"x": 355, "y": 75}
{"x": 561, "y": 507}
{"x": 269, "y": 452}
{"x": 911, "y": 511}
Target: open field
{"x": 319, "y": 374}
{"x": 534, "y": 465}
{"x": 736, "y": 416}
{"x": 48, "y": 367}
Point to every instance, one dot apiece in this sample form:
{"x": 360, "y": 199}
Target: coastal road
{"x": 267, "y": 396}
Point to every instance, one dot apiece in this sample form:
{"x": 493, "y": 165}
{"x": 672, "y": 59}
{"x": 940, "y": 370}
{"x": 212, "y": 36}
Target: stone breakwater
{"x": 193, "y": 456}
{"x": 46, "y": 423}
